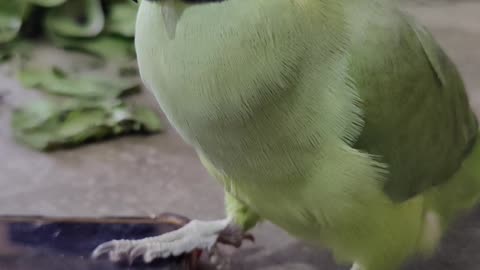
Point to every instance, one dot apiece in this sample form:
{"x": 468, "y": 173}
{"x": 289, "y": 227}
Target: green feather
{"x": 418, "y": 119}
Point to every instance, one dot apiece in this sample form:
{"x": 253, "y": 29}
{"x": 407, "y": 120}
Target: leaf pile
{"x": 85, "y": 108}
{"x": 90, "y": 109}
{"x": 104, "y": 28}
{"x": 56, "y": 81}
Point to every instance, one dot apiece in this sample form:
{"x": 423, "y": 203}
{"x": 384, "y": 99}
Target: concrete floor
{"x": 145, "y": 175}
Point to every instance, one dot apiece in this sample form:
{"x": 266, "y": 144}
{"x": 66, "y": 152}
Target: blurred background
{"x": 79, "y": 136}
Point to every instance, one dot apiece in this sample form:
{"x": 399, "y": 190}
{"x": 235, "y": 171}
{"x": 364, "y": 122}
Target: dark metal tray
{"x": 61, "y": 243}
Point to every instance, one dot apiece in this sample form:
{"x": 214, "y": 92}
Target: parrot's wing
{"x": 417, "y": 115}
{"x": 436, "y": 57}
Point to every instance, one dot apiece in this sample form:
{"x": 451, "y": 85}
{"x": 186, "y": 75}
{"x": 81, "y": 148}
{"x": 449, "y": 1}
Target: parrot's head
{"x": 171, "y": 10}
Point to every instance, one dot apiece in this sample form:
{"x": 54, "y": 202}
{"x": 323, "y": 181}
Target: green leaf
{"x": 48, "y": 125}
{"x": 6, "y": 52}
{"x": 37, "y": 114}
{"x": 11, "y": 15}
{"x": 18, "y": 49}
{"x": 78, "y": 18}
{"x": 57, "y": 82}
{"x": 148, "y": 119}
{"x": 55, "y": 123}
{"x": 121, "y": 20}
{"x": 107, "y": 47}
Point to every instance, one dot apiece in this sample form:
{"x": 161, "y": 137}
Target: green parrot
{"x": 342, "y": 122}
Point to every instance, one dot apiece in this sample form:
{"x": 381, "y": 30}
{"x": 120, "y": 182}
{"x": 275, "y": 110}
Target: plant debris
{"x": 104, "y": 28}
{"x": 49, "y": 125}
{"x": 57, "y": 81}
{"x": 86, "y": 107}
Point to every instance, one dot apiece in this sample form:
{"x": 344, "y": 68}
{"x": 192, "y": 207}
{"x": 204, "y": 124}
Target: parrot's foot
{"x": 196, "y": 235}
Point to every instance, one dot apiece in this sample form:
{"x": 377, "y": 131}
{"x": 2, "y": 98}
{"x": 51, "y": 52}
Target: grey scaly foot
{"x": 202, "y": 235}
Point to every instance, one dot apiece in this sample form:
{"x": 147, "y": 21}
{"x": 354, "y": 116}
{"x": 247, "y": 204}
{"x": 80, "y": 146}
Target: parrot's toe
{"x": 234, "y": 236}
{"x": 117, "y": 250}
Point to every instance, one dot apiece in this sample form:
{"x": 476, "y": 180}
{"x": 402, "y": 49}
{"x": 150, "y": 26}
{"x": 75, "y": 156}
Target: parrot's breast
{"x": 223, "y": 63}
{"x": 217, "y": 82}
{"x": 253, "y": 93}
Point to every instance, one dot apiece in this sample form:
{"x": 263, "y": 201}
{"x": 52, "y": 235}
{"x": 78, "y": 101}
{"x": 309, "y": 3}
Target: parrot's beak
{"x": 170, "y": 14}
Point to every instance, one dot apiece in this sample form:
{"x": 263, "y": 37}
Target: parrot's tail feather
{"x": 462, "y": 192}
{"x": 448, "y": 201}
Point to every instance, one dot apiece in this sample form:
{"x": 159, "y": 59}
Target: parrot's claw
{"x": 196, "y": 235}
{"x": 234, "y": 236}
{"x": 117, "y": 250}
{"x": 231, "y": 236}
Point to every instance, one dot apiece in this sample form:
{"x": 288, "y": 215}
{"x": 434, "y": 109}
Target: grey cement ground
{"x": 138, "y": 175}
